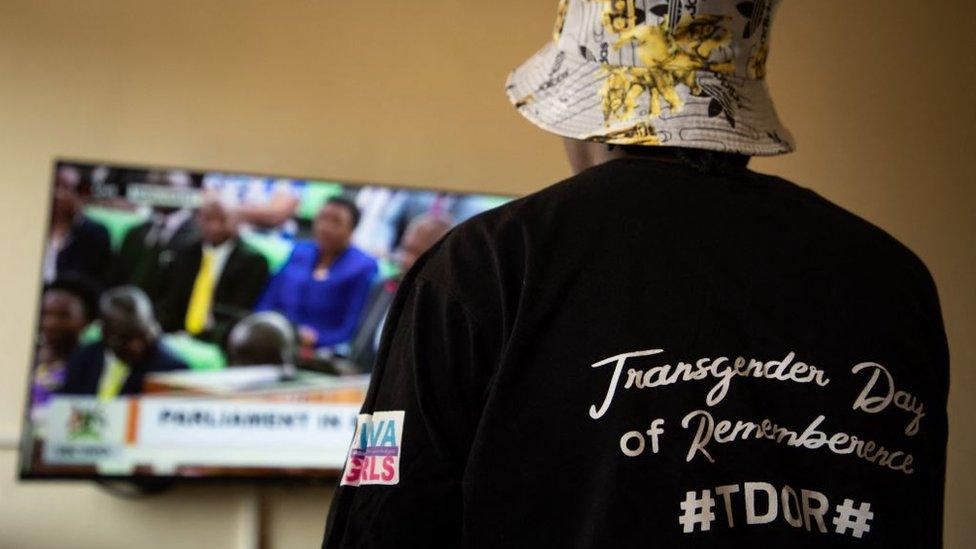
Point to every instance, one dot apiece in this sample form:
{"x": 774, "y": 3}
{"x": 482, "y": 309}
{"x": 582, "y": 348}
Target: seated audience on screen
{"x": 323, "y": 286}
{"x": 422, "y": 233}
{"x": 150, "y": 247}
{"x": 129, "y": 349}
{"x": 214, "y": 283}
{"x": 76, "y": 244}
{"x": 263, "y": 339}
{"x": 67, "y": 307}
{"x": 261, "y": 204}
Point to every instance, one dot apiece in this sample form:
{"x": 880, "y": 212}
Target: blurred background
{"x": 878, "y": 95}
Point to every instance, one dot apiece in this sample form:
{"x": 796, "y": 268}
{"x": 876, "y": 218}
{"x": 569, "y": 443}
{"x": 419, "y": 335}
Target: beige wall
{"x": 878, "y": 94}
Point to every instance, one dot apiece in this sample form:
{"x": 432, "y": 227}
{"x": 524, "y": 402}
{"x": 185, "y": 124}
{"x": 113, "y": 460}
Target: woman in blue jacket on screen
{"x": 323, "y": 286}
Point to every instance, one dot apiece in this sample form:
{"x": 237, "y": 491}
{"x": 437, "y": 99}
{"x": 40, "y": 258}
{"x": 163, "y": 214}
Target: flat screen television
{"x": 211, "y": 324}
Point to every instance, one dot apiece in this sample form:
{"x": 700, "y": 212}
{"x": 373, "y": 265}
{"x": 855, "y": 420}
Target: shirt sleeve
{"x": 424, "y": 400}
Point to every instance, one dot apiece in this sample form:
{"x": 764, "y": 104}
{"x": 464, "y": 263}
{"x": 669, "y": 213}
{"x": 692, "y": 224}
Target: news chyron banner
{"x": 169, "y": 433}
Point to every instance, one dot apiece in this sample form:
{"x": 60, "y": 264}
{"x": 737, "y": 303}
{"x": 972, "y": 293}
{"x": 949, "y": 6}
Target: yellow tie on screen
{"x": 199, "y": 308}
{"x": 113, "y": 377}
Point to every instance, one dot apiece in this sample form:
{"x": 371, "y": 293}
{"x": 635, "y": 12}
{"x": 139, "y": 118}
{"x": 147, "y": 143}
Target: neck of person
{"x": 62, "y": 352}
{"x": 327, "y": 258}
{"x": 216, "y": 245}
{"x": 587, "y": 154}
{"x": 62, "y": 224}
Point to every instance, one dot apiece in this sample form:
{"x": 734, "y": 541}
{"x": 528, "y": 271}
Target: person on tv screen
{"x": 76, "y": 244}
{"x": 323, "y": 286}
{"x": 214, "y": 283}
{"x": 261, "y": 204}
{"x": 129, "y": 350}
{"x": 422, "y": 232}
{"x": 67, "y": 307}
{"x": 149, "y": 248}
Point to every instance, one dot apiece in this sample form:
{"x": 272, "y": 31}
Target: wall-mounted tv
{"x": 213, "y": 324}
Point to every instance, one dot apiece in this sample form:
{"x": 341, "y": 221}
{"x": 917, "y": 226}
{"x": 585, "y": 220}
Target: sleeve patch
{"x": 374, "y": 455}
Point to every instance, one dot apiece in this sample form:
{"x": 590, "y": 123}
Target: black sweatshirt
{"x": 644, "y": 355}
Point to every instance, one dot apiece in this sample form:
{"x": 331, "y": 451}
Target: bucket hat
{"x": 682, "y": 73}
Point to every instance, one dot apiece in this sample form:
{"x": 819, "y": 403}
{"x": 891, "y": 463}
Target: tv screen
{"x": 211, "y": 324}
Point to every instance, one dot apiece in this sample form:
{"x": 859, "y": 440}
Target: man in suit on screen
{"x": 129, "y": 349}
{"x": 149, "y": 248}
{"x": 215, "y": 283}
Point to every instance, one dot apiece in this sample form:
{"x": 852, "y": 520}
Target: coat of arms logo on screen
{"x": 86, "y": 423}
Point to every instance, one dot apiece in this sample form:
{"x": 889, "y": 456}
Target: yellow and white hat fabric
{"x": 678, "y": 73}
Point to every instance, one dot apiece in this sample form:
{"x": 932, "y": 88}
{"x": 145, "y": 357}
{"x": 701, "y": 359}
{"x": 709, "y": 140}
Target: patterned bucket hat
{"x": 682, "y": 73}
